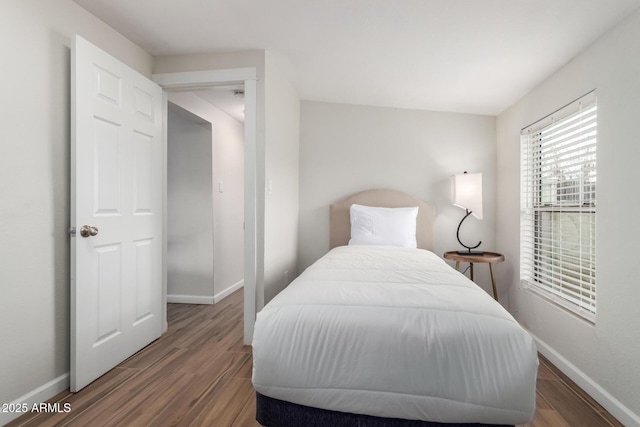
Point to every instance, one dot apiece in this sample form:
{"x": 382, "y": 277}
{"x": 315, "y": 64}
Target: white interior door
{"x": 116, "y": 192}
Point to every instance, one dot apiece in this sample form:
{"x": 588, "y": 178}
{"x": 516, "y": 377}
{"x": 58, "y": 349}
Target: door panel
{"x": 106, "y": 167}
{"x": 142, "y": 173}
{"x": 107, "y": 272}
{"x": 144, "y": 280}
{"x": 116, "y": 187}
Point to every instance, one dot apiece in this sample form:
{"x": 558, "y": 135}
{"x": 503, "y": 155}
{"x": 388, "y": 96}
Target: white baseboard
{"x": 225, "y": 293}
{"x": 199, "y": 299}
{"x": 603, "y": 397}
{"x": 37, "y": 396}
{"x": 189, "y": 299}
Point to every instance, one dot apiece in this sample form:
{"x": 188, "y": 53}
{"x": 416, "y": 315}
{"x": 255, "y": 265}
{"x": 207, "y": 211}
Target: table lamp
{"x": 466, "y": 193}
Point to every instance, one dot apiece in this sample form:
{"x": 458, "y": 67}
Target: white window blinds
{"x": 558, "y": 206}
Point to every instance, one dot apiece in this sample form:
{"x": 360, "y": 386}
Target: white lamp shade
{"x": 466, "y": 192}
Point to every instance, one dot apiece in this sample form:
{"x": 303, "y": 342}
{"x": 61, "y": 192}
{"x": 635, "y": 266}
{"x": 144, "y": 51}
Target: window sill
{"x": 573, "y": 309}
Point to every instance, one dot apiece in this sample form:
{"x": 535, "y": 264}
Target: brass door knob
{"x": 88, "y": 230}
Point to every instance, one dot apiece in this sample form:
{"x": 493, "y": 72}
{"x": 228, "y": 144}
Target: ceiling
{"x": 228, "y": 98}
{"x": 468, "y": 56}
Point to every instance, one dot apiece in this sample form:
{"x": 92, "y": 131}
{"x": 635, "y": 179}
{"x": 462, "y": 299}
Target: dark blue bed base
{"x": 277, "y": 413}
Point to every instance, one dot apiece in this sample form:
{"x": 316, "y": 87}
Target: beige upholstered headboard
{"x": 340, "y": 221}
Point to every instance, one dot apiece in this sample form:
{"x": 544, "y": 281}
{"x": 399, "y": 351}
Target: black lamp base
{"x": 469, "y": 250}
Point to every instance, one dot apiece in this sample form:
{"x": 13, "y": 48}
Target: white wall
{"x": 189, "y": 207}
{"x": 282, "y": 174}
{"x": 602, "y": 358}
{"x": 34, "y": 189}
{"x": 228, "y": 206}
{"x": 346, "y": 148}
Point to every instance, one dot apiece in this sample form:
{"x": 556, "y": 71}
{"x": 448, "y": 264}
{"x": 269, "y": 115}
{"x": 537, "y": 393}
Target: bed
{"x": 388, "y": 335}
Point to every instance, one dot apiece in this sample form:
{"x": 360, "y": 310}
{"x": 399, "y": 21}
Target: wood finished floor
{"x": 199, "y": 373}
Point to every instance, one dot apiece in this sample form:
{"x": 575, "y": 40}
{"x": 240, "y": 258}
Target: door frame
{"x": 198, "y": 80}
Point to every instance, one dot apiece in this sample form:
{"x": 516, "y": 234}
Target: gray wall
{"x": 189, "y": 205}
{"x": 34, "y": 189}
{"x": 602, "y": 358}
{"x": 348, "y": 148}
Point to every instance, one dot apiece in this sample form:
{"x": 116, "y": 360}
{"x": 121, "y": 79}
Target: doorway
{"x": 205, "y": 194}
{"x": 202, "y": 79}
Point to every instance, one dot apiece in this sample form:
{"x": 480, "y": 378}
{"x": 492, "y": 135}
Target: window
{"x": 558, "y": 206}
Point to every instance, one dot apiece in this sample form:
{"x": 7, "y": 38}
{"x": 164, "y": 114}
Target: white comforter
{"x": 394, "y": 333}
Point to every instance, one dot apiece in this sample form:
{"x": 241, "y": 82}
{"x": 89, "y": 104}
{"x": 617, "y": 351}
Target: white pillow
{"x": 383, "y": 226}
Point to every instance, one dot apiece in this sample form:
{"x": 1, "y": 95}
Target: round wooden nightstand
{"x": 486, "y": 258}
